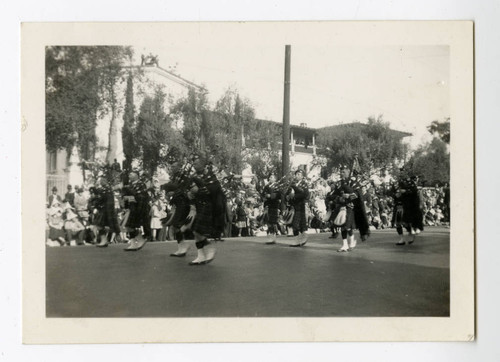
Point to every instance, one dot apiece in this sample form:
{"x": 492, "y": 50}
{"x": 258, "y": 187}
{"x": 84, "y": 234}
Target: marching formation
{"x": 197, "y": 203}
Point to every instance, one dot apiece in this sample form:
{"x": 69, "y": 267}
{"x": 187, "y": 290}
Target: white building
{"x": 63, "y": 168}
{"x": 303, "y": 150}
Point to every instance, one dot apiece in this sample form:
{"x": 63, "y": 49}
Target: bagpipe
{"x": 181, "y": 183}
{"x": 286, "y": 184}
{"x": 183, "y": 176}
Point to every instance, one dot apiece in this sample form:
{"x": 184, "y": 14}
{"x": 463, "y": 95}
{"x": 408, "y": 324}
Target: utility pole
{"x": 285, "y": 154}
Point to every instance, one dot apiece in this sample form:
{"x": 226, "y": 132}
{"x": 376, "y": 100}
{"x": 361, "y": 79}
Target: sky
{"x": 407, "y": 85}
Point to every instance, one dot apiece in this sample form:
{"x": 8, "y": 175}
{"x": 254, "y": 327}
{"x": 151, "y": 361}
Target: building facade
{"x": 63, "y": 167}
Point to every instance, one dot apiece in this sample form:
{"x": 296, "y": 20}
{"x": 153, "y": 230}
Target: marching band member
{"x": 298, "y": 195}
{"x": 272, "y": 203}
{"x": 331, "y": 206}
{"x": 218, "y": 202}
{"x": 354, "y": 213}
{"x": 345, "y": 218}
{"x": 359, "y": 209}
{"x": 137, "y": 201}
{"x": 105, "y": 217}
{"x": 179, "y": 213}
{"x": 407, "y": 211}
{"x": 202, "y": 191}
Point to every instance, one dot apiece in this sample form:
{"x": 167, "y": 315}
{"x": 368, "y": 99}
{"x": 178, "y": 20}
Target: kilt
{"x": 412, "y": 213}
{"x": 181, "y": 203}
{"x": 106, "y": 213}
{"x": 350, "y": 222}
{"x": 203, "y": 222}
{"x": 139, "y": 210}
{"x": 299, "y": 222}
{"x": 273, "y": 215}
{"x": 139, "y": 213}
{"x": 398, "y": 218}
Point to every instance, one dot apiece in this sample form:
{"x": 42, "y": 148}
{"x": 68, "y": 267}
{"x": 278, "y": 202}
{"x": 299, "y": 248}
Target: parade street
{"x": 251, "y": 279}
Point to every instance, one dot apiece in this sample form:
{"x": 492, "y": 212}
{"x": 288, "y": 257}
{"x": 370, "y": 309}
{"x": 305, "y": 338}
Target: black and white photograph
{"x": 261, "y": 173}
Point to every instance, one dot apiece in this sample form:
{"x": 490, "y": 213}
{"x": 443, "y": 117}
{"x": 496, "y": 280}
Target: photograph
{"x": 266, "y": 175}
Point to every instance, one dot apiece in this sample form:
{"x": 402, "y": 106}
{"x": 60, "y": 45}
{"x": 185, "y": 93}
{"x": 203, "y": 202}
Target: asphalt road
{"x": 251, "y": 279}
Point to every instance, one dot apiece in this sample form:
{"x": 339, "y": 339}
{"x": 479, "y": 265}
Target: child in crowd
{"x": 157, "y": 213}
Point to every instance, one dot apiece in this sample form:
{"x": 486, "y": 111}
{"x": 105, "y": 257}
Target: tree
{"x": 226, "y": 133}
{"x": 192, "y": 111}
{"x": 375, "y": 144}
{"x": 263, "y": 153}
{"x": 431, "y": 162}
{"x": 154, "y": 132}
{"x": 79, "y": 86}
{"x": 441, "y": 130}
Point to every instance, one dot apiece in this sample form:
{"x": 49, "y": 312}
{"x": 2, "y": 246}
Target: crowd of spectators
{"x": 70, "y": 218}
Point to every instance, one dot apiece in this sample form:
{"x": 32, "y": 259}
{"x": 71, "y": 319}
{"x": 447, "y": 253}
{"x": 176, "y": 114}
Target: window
{"x": 52, "y": 162}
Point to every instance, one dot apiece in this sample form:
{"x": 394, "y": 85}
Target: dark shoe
{"x": 403, "y": 243}
{"x": 102, "y": 245}
{"x": 270, "y": 242}
{"x": 295, "y": 245}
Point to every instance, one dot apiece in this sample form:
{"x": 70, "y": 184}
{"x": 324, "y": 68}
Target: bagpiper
{"x": 332, "y": 206}
{"x": 136, "y": 198}
{"x": 105, "y": 218}
{"x": 202, "y": 196}
{"x": 351, "y": 212}
{"x": 407, "y": 212}
{"x": 298, "y": 195}
{"x": 272, "y": 206}
{"x": 345, "y": 217}
{"x": 218, "y": 202}
{"x": 179, "y": 213}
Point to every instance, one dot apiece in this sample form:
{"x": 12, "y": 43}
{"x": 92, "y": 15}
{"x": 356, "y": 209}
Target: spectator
{"x": 241, "y": 217}
{"x": 70, "y": 196}
{"x": 56, "y": 223}
{"x": 157, "y": 213}
{"x": 74, "y": 229}
{"x": 54, "y": 198}
{"x": 116, "y": 166}
{"x": 81, "y": 204}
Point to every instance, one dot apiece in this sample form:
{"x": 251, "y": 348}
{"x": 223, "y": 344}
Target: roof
{"x": 292, "y": 126}
{"x": 169, "y": 75}
{"x": 397, "y": 133}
